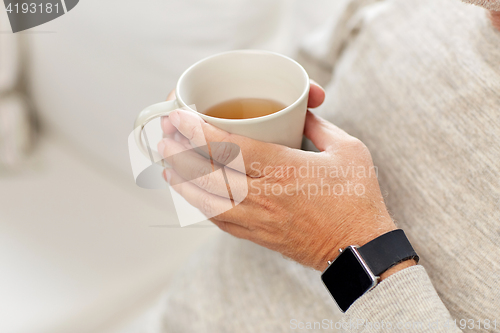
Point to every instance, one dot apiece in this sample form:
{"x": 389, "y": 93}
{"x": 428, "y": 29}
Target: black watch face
{"x": 347, "y": 279}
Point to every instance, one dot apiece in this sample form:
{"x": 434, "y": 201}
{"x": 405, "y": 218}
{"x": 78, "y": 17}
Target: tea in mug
{"x": 244, "y": 108}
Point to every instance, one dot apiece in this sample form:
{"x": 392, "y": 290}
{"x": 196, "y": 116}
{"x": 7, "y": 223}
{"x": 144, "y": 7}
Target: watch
{"x": 356, "y": 270}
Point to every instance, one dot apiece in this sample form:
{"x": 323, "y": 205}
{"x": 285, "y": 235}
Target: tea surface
{"x": 244, "y": 108}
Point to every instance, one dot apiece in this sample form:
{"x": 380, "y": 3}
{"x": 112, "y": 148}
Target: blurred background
{"x": 80, "y": 245}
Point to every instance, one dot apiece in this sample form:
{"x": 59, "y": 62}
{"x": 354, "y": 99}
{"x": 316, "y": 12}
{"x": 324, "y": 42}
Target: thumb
{"x": 323, "y": 134}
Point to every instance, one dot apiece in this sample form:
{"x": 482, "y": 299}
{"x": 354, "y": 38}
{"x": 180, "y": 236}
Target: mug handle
{"x": 151, "y": 112}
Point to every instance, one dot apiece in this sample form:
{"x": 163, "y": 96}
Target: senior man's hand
{"x": 305, "y": 205}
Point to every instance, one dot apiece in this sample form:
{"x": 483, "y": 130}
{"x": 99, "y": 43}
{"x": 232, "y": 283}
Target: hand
{"x": 305, "y": 205}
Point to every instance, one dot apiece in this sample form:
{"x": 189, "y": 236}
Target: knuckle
{"x": 357, "y": 143}
{"x": 202, "y": 174}
{"x": 207, "y": 205}
{"x": 286, "y": 174}
{"x": 267, "y": 205}
{"x": 357, "y": 147}
{"x": 194, "y": 132}
{"x": 202, "y": 182}
{"x": 208, "y": 183}
{"x": 224, "y": 152}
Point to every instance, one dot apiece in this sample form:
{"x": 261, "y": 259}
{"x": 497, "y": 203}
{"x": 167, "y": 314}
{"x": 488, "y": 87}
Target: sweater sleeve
{"x": 404, "y": 302}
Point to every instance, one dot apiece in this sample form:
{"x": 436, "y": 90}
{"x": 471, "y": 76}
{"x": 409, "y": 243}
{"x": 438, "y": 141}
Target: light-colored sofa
{"x": 82, "y": 249}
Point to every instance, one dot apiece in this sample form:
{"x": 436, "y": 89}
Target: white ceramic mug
{"x": 240, "y": 74}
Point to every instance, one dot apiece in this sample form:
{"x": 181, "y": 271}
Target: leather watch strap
{"x": 386, "y": 251}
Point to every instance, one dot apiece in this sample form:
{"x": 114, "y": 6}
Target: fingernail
{"x": 161, "y": 147}
{"x": 167, "y": 175}
{"x": 174, "y": 118}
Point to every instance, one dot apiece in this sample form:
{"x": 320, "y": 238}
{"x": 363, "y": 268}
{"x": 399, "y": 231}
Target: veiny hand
{"x": 305, "y": 205}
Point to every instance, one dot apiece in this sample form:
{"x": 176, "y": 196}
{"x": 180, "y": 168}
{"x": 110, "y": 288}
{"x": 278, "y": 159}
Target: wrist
{"x": 358, "y": 269}
{"x": 358, "y": 234}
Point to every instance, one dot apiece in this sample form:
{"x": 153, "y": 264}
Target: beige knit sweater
{"x": 419, "y": 82}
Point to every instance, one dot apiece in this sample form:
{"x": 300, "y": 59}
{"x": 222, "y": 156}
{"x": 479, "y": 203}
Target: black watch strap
{"x": 386, "y": 251}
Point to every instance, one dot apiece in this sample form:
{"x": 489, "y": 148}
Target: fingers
{"x": 167, "y": 127}
{"x": 209, "y": 204}
{"x": 316, "y": 95}
{"x": 323, "y": 134}
{"x": 225, "y": 147}
{"x": 171, "y": 95}
{"x": 211, "y": 177}
{"x": 178, "y": 137}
